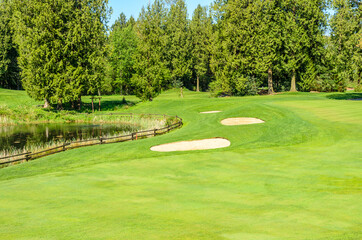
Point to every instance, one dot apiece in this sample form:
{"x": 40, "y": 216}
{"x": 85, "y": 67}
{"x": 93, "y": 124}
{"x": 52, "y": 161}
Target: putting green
{"x": 296, "y": 176}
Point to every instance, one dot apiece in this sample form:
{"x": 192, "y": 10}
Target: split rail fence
{"x": 29, "y": 156}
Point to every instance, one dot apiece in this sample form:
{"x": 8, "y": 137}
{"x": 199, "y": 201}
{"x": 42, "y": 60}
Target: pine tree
{"x": 303, "y": 22}
{"x": 240, "y": 50}
{"x": 61, "y": 45}
{"x": 120, "y": 23}
{"x": 150, "y": 63}
{"x": 346, "y": 29}
{"x": 178, "y": 43}
{"x": 9, "y": 68}
{"x": 268, "y": 38}
{"x": 123, "y": 43}
{"x": 227, "y": 47}
{"x": 201, "y": 34}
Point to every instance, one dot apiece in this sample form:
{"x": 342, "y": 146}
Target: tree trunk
{"x": 46, "y": 103}
{"x": 60, "y": 104}
{"x": 92, "y": 105}
{"x": 198, "y": 84}
{"x": 293, "y": 87}
{"x": 270, "y": 81}
{"x": 80, "y": 103}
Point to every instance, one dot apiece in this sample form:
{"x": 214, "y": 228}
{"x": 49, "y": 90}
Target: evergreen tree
{"x": 178, "y": 43}
{"x": 303, "y": 22}
{"x": 131, "y": 21}
{"x": 268, "y": 38}
{"x": 150, "y": 63}
{"x": 228, "y": 47}
{"x": 120, "y": 23}
{"x": 123, "y": 43}
{"x": 346, "y": 29}
{"x": 9, "y": 69}
{"x": 61, "y": 45}
{"x": 201, "y": 34}
{"x": 241, "y": 47}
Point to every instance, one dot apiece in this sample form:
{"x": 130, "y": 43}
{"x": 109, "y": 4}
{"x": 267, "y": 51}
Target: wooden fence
{"x": 28, "y": 156}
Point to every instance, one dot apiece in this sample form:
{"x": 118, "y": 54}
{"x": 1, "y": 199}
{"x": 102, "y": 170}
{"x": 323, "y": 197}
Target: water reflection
{"x": 24, "y": 136}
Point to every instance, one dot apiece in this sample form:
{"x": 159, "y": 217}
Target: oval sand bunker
{"x": 241, "y": 121}
{"x": 205, "y": 144}
{"x": 209, "y": 112}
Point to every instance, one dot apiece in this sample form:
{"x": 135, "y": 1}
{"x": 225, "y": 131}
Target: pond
{"x": 19, "y": 137}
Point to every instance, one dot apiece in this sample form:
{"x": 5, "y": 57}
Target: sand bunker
{"x": 212, "y": 143}
{"x": 240, "y": 121}
{"x": 210, "y": 112}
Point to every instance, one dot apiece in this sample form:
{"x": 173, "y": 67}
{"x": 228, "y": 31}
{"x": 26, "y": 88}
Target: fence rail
{"x": 29, "y": 156}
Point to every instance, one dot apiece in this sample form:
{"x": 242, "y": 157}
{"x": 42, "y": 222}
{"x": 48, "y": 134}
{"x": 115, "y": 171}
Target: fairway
{"x": 296, "y": 176}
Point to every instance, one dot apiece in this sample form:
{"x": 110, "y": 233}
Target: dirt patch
{"x": 205, "y": 144}
{"x": 240, "y": 121}
{"x": 209, "y": 112}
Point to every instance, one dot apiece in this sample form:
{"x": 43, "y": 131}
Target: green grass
{"x": 17, "y": 108}
{"x": 298, "y": 176}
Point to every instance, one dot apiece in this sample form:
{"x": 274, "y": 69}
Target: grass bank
{"x": 17, "y": 108}
{"x": 297, "y": 176}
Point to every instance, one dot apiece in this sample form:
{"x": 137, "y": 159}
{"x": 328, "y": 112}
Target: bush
{"x": 358, "y": 88}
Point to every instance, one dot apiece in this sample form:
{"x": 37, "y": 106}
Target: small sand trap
{"x": 206, "y": 144}
{"x": 210, "y": 112}
{"x": 240, "y": 121}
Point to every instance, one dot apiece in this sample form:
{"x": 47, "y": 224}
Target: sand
{"x": 205, "y": 144}
{"x": 210, "y": 112}
{"x": 240, "y": 121}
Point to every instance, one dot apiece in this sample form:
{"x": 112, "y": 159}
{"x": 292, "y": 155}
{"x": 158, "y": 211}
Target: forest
{"x": 61, "y": 50}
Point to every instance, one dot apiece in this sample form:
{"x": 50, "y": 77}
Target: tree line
{"x": 60, "y": 50}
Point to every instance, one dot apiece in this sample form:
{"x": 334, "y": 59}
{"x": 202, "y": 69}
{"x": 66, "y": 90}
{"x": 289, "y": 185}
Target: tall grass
{"x": 140, "y": 123}
{"x": 5, "y": 121}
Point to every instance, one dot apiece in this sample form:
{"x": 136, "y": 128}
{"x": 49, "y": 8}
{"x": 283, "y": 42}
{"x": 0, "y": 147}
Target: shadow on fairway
{"x": 345, "y": 96}
{"x": 106, "y": 105}
{"x": 114, "y": 105}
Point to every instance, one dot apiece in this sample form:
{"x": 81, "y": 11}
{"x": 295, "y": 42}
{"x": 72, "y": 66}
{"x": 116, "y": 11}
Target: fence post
{"x": 101, "y": 140}
{"x": 27, "y": 156}
{"x": 64, "y": 147}
{"x": 132, "y": 136}
{"x": 154, "y": 133}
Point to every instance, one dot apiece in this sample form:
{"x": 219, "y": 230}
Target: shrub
{"x": 358, "y": 88}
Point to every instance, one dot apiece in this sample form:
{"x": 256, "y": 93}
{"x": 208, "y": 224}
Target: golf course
{"x": 296, "y": 175}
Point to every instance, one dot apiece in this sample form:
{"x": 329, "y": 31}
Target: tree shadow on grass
{"x": 345, "y": 96}
{"x": 106, "y": 105}
{"x": 112, "y": 105}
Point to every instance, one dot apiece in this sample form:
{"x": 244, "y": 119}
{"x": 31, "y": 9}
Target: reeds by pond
{"x": 5, "y": 121}
{"x": 155, "y": 125}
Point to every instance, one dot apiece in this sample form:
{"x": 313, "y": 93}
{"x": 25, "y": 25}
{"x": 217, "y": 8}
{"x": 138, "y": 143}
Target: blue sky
{"x": 133, "y": 7}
